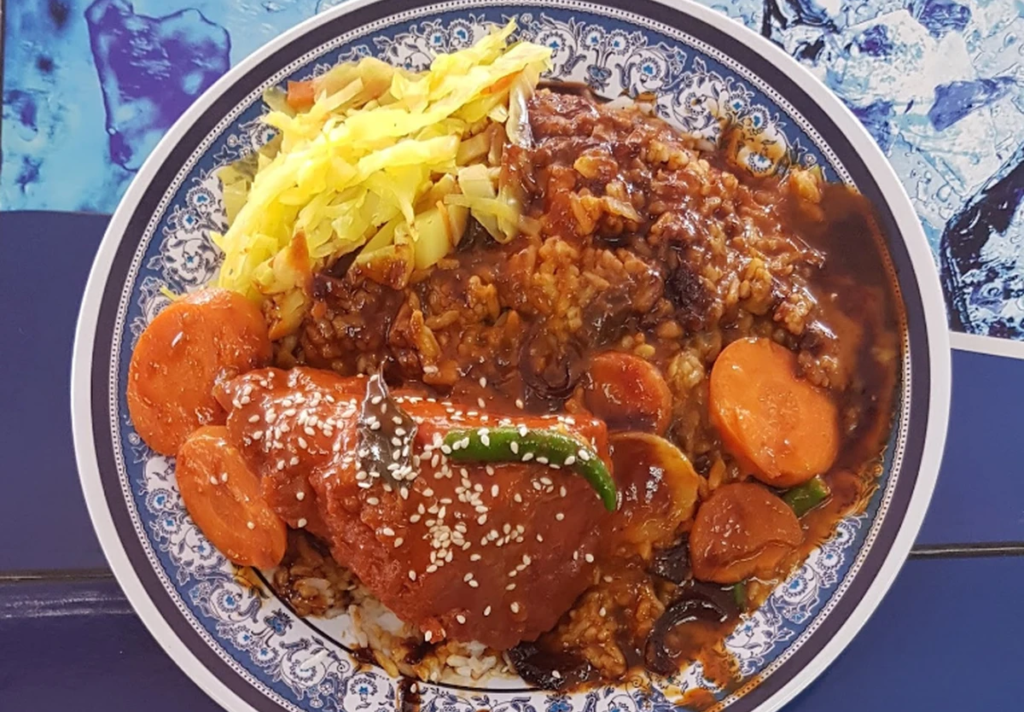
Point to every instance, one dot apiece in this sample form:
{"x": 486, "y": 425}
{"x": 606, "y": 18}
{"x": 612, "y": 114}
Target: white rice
{"x": 364, "y": 622}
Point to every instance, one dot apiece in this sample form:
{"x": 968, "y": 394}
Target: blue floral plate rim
{"x": 94, "y": 373}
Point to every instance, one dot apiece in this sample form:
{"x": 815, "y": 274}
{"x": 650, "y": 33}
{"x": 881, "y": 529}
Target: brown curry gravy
{"x": 855, "y": 290}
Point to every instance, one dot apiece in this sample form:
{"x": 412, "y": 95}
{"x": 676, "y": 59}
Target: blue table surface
{"x": 943, "y": 639}
{"x": 950, "y": 117}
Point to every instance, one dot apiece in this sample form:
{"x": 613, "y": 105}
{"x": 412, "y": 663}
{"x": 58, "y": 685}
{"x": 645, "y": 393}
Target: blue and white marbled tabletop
{"x": 88, "y": 89}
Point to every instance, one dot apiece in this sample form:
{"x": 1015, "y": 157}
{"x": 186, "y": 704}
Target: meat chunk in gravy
{"x": 492, "y": 553}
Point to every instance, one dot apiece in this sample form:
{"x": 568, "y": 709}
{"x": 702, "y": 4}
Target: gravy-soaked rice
{"x": 638, "y": 240}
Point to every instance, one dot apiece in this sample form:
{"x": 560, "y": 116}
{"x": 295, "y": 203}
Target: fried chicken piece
{"x": 469, "y": 551}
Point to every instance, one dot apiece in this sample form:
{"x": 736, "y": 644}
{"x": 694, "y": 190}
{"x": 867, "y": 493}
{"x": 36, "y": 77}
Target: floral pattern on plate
{"x": 300, "y": 666}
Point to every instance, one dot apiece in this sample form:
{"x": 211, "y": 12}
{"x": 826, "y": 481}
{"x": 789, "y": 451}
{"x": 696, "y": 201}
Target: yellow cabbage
{"x": 385, "y": 158}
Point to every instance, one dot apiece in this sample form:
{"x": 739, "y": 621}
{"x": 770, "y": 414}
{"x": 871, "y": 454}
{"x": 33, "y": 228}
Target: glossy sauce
{"x": 857, "y": 282}
{"x": 506, "y": 356}
{"x": 645, "y": 259}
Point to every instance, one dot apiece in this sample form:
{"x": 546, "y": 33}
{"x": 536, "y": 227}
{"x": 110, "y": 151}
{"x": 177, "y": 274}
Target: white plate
{"x": 253, "y": 654}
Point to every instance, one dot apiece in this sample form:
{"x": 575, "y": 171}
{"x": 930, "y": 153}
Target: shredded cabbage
{"x": 369, "y": 154}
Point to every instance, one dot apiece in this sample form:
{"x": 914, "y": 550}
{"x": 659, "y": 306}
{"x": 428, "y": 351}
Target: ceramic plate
{"x": 249, "y": 651}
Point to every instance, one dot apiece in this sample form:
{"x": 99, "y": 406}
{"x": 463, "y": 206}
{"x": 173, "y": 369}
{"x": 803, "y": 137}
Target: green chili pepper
{"x": 739, "y": 594}
{"x": 511, "y": 444}
{"x": 803, "y": 498}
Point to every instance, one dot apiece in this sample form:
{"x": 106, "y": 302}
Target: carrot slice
{"x": 209, "y": 335}
{"x": 222, "y": 495}
{"x": 742, "y": 530}
{"x": 301, "y": 95}
{"x": 659, "y": 489}
{"x": 628, "y": 393}
{"x": 779, "y": 426}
